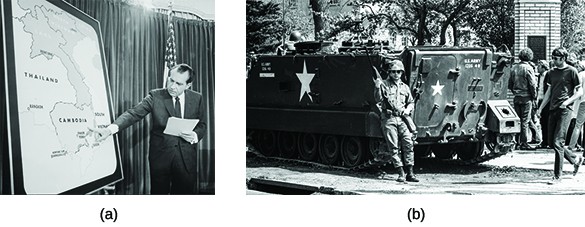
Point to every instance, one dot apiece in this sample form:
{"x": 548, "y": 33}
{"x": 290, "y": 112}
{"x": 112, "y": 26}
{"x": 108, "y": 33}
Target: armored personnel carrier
{"x": 319, "y": 106}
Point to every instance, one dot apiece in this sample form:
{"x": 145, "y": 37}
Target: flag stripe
{"x": 170, "y": 50}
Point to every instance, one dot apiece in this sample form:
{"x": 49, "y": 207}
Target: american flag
{"x": 171, "y": 50}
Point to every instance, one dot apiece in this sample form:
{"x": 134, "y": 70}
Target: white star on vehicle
{"x": 305, "y": 79}
{"x": 437, "y": 88}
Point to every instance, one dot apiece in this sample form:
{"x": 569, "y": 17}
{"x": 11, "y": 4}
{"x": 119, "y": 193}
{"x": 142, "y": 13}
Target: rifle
{"x": 406, "y": 118}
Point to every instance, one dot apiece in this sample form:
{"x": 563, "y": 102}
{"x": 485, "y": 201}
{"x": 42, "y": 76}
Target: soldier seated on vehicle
{"x": 396, "y": 104}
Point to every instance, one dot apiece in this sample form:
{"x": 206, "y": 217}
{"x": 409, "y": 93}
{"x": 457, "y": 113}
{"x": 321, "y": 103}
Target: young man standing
{"x": 542, "y": 121}
{"x": 523, "y": 84}
{"x": 564, "y": 89}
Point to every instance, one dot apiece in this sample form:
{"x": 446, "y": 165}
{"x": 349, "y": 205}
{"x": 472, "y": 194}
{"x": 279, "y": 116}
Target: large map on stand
{"x": 58, "y": 88}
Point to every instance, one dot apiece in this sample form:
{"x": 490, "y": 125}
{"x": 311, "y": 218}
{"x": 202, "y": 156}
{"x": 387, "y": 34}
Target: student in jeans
{"x": 543, "y": 68}
{"x": 564, "y": 89}
{"x": 523, "y": 84}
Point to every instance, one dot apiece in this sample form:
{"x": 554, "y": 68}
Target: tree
{"x": 401, "y": 15}
{"x": 318, "y": 8}
{"x": 451, "y": 11}
{"x": 492, "y": 22}
{"x": 297, "y": 18}
{"x": 423, "y": 19}
{"x": 263, "y": 26}
{"x": 434, "y": 21}
{"x": 573, "y": 25}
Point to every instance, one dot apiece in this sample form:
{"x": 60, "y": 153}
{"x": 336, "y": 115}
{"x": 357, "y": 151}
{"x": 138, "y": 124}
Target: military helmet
{"x": 396, "y": 65}
{"x": 393, "y": 65}
{"x": 295, "y": 36}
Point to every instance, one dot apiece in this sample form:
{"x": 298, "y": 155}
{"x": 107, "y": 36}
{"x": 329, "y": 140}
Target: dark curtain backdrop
{"x": 4, "y": 133}
{"x": 134, "y": 43}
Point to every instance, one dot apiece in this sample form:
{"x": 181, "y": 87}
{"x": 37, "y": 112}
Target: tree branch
{"x": 390, "y": 18}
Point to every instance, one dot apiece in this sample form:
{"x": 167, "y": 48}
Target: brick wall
{"x": 537, "y": 19}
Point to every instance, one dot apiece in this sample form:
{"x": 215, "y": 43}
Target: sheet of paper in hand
{"x": 177, "y": 125}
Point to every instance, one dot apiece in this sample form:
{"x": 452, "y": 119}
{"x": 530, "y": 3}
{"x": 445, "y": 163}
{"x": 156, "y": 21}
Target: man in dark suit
{"x": 172, "y": 159}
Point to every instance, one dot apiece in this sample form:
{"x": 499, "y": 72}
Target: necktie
{"x": 177, "y": 108}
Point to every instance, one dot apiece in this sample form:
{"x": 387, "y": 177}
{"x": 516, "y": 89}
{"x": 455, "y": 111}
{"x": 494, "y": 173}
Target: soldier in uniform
{"x": 396, "y": 103}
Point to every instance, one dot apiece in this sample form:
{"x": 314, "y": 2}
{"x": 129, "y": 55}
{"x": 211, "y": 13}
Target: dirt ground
{"x": 435, "y": 178}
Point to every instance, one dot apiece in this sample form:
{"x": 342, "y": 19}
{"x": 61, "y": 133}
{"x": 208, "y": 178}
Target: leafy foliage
{"x": 573, "y": 25}
{"x": 492, "y": 22}
{"x": 464, "y": 22}
{"x": 342, "y": 23}
{"x": 263, "y": 26}
{"x": 427, "y": 20}
{"x": 298, "y": 19}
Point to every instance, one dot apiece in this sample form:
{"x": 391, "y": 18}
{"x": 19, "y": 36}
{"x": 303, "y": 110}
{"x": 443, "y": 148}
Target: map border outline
{"x": 13, "y": 121}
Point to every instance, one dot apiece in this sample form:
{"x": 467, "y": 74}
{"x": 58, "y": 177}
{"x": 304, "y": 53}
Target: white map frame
{"x": 56, "y": 89}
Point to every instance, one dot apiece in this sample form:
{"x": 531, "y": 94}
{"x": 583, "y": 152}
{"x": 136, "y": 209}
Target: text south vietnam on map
{"x": 58, "y": 89}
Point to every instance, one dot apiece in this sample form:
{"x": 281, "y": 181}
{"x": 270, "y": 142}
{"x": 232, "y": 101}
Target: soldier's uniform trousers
{"x": 399, "y": 140}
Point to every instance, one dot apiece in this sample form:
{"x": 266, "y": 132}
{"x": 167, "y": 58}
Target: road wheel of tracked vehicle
{"x": 308, "y": 145}
{"x": 266, "y": 142}
{"x": 287, "y": 144}
{"x": 444, "y": 151}
{"x": 329, "y": 149}
{"x": 376, "y": 146}
{"x": 471, "y": 150}
{"x": 252, "y": 138}
{"x": 353, "y": 151}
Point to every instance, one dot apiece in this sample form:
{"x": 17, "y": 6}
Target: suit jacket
{"x": 159, "y": 104}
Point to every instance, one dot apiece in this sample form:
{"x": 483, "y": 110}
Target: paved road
{"x": 543, "y": 159}
{"x": 519, "y": 172}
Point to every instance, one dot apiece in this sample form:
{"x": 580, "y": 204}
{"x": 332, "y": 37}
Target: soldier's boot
{"x": 400, "y": 174}
{"x": 410, "y": 175}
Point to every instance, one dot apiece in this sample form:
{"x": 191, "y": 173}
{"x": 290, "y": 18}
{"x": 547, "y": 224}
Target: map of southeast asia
{"x": 61, "y": 91}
